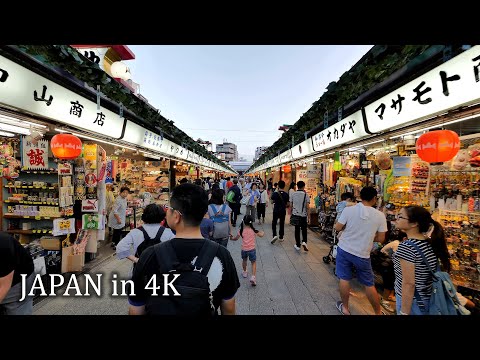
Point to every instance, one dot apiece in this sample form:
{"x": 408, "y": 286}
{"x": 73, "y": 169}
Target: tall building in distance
{"x": 259, "y": 152}
{"x": 227, "y": 151}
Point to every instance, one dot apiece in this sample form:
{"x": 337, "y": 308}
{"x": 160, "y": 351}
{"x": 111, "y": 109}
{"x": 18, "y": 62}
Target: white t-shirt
{"x": 361, "y": 224}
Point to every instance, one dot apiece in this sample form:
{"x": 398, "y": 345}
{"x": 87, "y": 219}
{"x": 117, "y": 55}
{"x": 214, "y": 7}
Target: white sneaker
{"x": 281, "y": 239}
{"x": 244, "y": 274}
{"x": 304, "y": 244}
{"x": 275, "y": 238}
{"x": 296, "y": 247}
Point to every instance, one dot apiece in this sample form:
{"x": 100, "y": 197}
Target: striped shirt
{"x": 423, "y": 276}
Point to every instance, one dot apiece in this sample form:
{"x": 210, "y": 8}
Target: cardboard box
{"x": 50, "y": 244}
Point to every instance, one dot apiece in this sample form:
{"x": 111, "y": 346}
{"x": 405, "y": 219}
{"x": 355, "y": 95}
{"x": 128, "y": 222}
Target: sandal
{"x": 339, "y": 306}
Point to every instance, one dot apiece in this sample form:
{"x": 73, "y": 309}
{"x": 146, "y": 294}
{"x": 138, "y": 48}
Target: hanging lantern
{"x": 438, "y": 146}
{"x": 66, "y": 146}
{"x": 337, "y": 165}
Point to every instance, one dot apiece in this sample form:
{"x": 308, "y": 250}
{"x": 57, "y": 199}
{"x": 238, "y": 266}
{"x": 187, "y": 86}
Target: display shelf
{"x": 45, "y": 203}
{"x": 30, "y": 217}
{"x": 31, "y": 187}
{"x": 29, "y": 232}
{"x": 39, "y": 172}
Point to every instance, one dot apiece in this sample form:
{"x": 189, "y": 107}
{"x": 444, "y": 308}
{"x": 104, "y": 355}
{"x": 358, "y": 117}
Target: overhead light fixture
{"x": 94, "y": 139}
{"x": 13, "y": 121}
{"x": 14, "y": 129}
{"x": 4, "y": 133}
{"x": 436, "y": 126}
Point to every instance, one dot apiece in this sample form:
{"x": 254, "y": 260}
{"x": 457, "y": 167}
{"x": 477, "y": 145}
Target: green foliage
{"x": 374, "y": 67}
{"x": 70, "y": 60}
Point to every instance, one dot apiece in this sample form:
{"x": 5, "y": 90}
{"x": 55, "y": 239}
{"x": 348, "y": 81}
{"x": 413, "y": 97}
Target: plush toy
{"x": 460, "y": 161}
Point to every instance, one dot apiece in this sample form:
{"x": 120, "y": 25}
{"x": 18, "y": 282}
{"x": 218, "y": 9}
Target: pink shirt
{"x": 248, "y": 238}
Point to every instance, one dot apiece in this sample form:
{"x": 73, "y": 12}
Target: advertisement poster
{"x": 402, "y": 165}
{"x": 35, "y": 156}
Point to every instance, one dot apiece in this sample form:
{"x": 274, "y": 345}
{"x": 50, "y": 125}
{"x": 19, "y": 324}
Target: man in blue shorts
{"x": 362, "y": 225}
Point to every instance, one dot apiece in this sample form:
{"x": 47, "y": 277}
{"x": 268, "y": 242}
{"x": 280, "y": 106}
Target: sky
{"x": 238, "y": 93}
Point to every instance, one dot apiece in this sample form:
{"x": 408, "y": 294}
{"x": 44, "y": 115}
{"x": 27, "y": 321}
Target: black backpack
{"x": 147, "y": 242}
{"x": 195, "y": 297}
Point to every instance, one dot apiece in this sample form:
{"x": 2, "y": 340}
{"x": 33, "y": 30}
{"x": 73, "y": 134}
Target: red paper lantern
{"x": 66, "y": 146}
{"x": 438, "y": 146}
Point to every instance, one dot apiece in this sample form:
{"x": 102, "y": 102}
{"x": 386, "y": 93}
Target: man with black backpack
{"x": 200, "y": 270}
{"x": 150, "y": 233}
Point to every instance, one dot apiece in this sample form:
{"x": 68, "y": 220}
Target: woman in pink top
{"x": 248, "y": 235}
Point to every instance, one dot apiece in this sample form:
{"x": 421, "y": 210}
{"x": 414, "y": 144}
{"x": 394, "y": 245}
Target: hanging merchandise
{"x": 90, "y": 205}
{"x": 337, "y": 166}
{"x": 90, "y": 153}
{"x": 438, "y": 146}
{"x": 63, "y": 226}
{"x": 383, "y": 161}
{"x": 91, "y": 222}
{"x": 66, "y": 146}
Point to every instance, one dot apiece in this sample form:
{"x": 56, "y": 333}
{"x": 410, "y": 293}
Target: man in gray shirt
{"x": 301, "y": 208}
{"x": 116, "y": 219}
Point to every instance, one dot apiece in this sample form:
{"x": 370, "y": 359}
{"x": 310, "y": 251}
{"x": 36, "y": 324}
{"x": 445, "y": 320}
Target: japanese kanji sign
{"x": 450, "y": 85}
{"x": 24, "y": 89}
{"x": 35, "y": 156}
{"x": 345, "y": 131}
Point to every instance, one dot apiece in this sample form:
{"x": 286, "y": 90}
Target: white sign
{"x": 345, "y": 131}
{"x": 138, "y": 135}
{"x": 454, "y": 83}
{"x": 26, "y": 90}
{"x": 286, "y": 157}
{"x": 35, "y": 156}
{"x": 303, "y": 149}
{"x": 90, "y": 205}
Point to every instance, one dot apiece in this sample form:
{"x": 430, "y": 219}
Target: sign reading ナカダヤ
{"x": 347, "y": 130}
{"x": 454, "y": 83}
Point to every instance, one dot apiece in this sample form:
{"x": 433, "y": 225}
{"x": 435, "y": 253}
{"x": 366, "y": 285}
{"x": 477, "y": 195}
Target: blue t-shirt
{"x": 206, "y": 227}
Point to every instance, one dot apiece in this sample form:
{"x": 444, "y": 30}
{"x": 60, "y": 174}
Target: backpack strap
{"x": 424, "y": 259}
{"x": 159, "y": 234}
{"x": 224, "y": 207}
{"x": 145, "y": 234}
{"x": 214, "y": 209}
{"x": 166, "y": 256}
{"x": 206, "y": 256}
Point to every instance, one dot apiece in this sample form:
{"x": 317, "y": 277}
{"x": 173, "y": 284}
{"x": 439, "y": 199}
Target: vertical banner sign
{"x": 34, "y": 156}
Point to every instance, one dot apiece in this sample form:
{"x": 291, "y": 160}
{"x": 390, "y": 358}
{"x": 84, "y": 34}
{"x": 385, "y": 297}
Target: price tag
{"x": 26, "y": 217}
{"x": 34, "y": 231}
{"x": 44, "y": 231}
{"x": 46, "y": 217}
{"x": 44, "y": 187}
{"x": 38, "y": 217}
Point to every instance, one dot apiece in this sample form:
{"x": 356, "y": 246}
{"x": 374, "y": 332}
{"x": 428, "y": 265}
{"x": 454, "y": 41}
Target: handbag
{"x": 245, "y": 200}
{"x": 295, "y": 219}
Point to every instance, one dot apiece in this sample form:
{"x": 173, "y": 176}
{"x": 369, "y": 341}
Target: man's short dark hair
{"x": 191, "y": 201}
{"x": 281, "y": 184}
{"x": 123, "y": 188}
{"x": 184, "y": 181}
{"x": 300, "y": 184}
{"x": 153, "y": 214}
{"x": 368, "y": 193}
{"x": 347, "y": 195}
{"x": 198, "y": 182}
{"x": 235, "y": 181}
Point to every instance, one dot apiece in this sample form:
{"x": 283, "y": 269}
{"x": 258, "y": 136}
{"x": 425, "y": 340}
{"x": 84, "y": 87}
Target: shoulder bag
{"x": 295, "y": 219}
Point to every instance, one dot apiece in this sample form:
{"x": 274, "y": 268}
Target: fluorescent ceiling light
{"x": 4, "y": 133}
{"x": 94, "y": 139}
{"x": 14, "y": 121}
{"x": 436, "y": 126}
{"x": 14, "y": 129}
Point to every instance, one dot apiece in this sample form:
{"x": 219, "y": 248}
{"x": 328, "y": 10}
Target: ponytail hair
{"x": 432, "y": 230}
{"x": 248, "y": 221}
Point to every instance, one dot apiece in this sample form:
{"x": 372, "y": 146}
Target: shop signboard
{"x": 34, "y": 155}
{"x": 285, "y": 157}
{"x": 450, "y": 85}
{"x": 26, "y": 90}
{"x": 303, "y": 149}
{"x": 350, "y": 129}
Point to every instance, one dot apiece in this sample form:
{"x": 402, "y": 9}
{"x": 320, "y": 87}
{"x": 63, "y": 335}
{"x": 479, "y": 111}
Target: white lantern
{"x": 119, "y": 70}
